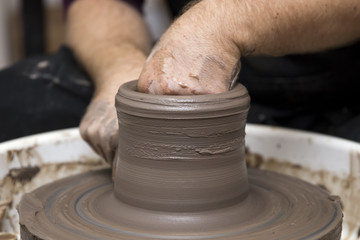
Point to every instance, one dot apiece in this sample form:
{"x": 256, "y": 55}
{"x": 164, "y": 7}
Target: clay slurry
{"x": 180, "y": 174}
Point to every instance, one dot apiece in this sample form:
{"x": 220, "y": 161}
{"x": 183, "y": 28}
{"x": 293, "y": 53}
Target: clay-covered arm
{"x": 111, "y": 41}
{"x": 200, "y": 52}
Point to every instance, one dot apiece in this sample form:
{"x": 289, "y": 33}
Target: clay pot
{"x": 181, "y": 153}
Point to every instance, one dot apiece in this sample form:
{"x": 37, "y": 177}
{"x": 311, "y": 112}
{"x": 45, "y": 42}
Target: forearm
{"x": 282, "y": 27}
{"x": 111, "y": 41}
{"x": 200, "y": 53}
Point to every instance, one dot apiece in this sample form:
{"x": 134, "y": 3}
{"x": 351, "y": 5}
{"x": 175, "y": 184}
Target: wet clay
{"x": 181, "y": 153}
{"x": 180, "y": 174}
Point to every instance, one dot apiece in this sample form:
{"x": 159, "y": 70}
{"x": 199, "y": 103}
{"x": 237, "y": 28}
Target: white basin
{"x": 333, "y": 163}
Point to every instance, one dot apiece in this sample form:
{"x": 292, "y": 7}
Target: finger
{"x": 235, "y": 74}
{"x": 114, "y": 165}
{"x": 108, "y": 139}
{"x": 84, "y": 132}
{"x": 110, "y": 157}
{"x": 100, "y": 151}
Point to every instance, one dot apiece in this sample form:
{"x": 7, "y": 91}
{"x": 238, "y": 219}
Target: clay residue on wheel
{"x": 84, "y": 207}
{"x": 17, "y": 182}
{"x": 347, "y": 187}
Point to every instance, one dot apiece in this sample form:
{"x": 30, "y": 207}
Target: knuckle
{"x": 83, "y": 132}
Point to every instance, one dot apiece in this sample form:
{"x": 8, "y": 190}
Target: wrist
{"x": 220, "y": 19}
{"x": 237, "y": 27}
{"x": 215, "y": 21}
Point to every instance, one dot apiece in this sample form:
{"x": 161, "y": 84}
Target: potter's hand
{"x": 111, "y": 41}
{"x": 199, "y": 52}
{"x": 194, "y": 56}
{"x": 99, "y": 128}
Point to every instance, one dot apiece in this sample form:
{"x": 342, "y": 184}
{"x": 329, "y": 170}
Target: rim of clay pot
{"x": 200, "y": 106}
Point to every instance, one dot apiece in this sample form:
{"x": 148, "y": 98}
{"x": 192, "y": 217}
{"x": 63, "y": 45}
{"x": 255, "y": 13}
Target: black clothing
{"x": 44, "y": 93}
{"x": 315, "y": 92}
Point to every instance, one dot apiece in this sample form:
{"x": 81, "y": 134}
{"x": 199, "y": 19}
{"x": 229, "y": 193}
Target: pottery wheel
{"x": 180, "y": 174}
{"x": 84, "y": 207}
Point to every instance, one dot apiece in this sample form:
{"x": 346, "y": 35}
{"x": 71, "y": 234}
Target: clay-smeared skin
{"x": 180, "y": 175}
